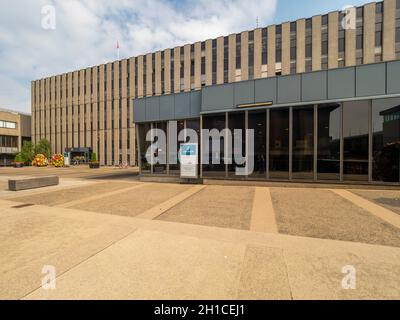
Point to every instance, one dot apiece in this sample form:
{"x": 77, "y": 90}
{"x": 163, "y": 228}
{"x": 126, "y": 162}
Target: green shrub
{"x": 93, "y": 157}
{"x": 18, "y": 158}
{"x": 43, "y": 147}
{"x": 27, "y": 152}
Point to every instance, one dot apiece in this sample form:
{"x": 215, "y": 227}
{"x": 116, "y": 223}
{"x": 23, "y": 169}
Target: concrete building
{"x": 15, "y": 128}
{"x": 98, "y": 107}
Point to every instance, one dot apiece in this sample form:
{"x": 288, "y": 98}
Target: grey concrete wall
{"x": 345, "y": 83}
{"x": 167, "y": 107}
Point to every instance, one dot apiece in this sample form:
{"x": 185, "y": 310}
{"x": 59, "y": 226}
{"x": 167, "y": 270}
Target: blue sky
{"x": 87, "y": 31}
{"x": 288, "y": 10}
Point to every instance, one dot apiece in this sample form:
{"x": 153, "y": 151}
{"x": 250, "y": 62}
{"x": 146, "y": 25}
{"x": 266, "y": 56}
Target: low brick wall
{"x": 33, "y": 183}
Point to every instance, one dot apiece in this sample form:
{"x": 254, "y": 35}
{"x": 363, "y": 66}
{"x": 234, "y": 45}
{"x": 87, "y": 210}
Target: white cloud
{"x": 87, "y": 32}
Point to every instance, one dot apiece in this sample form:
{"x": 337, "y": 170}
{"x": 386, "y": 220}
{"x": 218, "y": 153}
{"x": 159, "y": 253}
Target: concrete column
{"x": 47, "y": 109}
{"x": 88, "y": 103}
{"x": 220, "y": 60}
{"x": 69, "y": 111}
{"x": 389, "y": 30}
{"x": 75, "y": 106}
{"x": 95, "y": 115}
{"x": 257, "y": 52}
{"x": 369, "y": 32}
{"x": 116, "y": 130}
{"x": 109, "y": 115}
{"x": 286, "y": 48}
{"x": 101, "y": 128}
{"x": 177, "y": 69}
{"x": 123, "y": 115}
{"x": 333, "y": 39}
{"x": 149, "y": 75}
{"x": 81, "y": 107}
{"x": 64, "y": 112}
{"x": 350, "y": 54}
{"x": 131, "y": 78}
{"x": 58, "y": 117}
{"x": 167, "y": 71}
{"x": 125, "y": 128}
{"x": 316, "y": 42}
{"x": 232, "y": 58}
{"x": 301, "y": 45}
{"x": 140, "y": 77}
{"x": 197, "y": 65}
{"x": 208, "y": 62}
{"x": 158, "y": 73}
{"x": 271, "y": 50}
{"x": 53, "y": 114}
{"x": 187, "y": 64}
{"x": 37, "y": 109}
{"x": 245, "y": 55}
{"x": 33, "y": 110}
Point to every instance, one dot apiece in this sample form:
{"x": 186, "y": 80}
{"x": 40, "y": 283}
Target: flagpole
{"x": 117, "y": 50}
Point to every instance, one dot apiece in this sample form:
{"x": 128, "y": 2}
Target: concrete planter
{"x": 94, "y": 165}
{"x": 18, "y": 164}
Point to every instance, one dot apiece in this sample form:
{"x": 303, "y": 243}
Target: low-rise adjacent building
{"x": 15, "y": 128}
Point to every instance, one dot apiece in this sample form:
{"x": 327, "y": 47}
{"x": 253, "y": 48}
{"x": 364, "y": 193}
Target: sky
{"x": 35, "y": 44}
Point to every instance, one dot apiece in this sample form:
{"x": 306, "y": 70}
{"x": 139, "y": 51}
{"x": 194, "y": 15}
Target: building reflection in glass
{"x": 279, "y": 144}
{"x": 356, "y": 140}
{"x": 303, "y": 143}
{"x": 258, "y": 123}
{"x": 216, "y": 121}
{"x": 386, "y": 139}
{"x": 328, "y": 149}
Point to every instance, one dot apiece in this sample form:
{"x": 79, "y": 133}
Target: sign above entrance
{"x": 189, "y": 156}
{"x": 255, "y": 105}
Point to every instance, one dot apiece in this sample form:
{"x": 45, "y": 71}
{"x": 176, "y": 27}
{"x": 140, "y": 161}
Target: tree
{"x": 43, "y": 147}
{"x": 27, "y": 152}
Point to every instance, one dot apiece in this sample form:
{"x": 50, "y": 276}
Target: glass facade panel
{"x": 258, "y": 123}
{"x": 386, "y": 140}
{"x": 279, "y": 144}
{"x": 237, "y": 125}
{"x": 158, "y": 167}
{"x": 329, "y": 127}
{"x": 174, "y": 169}
{"x": 333, "y": 126}
{"x": 356, "y": 140}
{"x": 303, "y": 142}
{"x": 216, "y": 169}
{"x": 143, "y": 128}
{"x": 194, "y": 124}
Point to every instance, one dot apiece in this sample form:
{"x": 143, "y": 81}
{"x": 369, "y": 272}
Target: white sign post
{"x": 67, "y": 159}
{"x": 189, "y": 158}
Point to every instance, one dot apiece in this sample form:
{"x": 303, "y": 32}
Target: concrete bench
{"x": 32, "y": 183}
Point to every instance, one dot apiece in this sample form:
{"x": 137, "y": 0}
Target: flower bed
{"x": 57, "y": 160}
{"x": 40, "y": 160}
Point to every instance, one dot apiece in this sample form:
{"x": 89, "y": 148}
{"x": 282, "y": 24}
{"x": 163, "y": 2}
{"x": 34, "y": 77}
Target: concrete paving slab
{"x": 225, "y": 207}
{"x": 264, "y": 275}
{"x": 263, "y": 214}
{"x": 319, "y": 276}
{"x": 154, "y": 265}
{"x": 386, "y": 198}
{"x": 64, "y": 184}
{"x": 34, "y": 237}
{"x": 135, "y": 202}
{"x": 378, "y": 211}
{"x": 60, "y": 197}
{"x": 323, "y": 214}
{"x": 170, "y": 203}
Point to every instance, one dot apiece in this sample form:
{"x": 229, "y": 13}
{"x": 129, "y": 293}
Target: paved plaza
{"x": 111, "y": 236}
